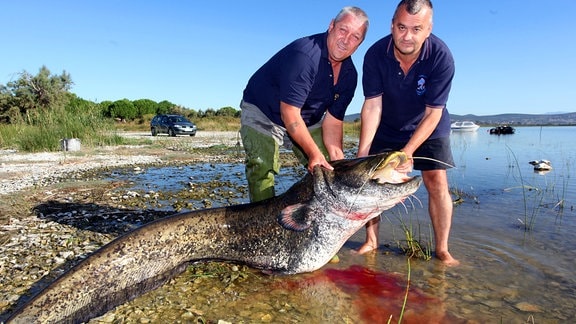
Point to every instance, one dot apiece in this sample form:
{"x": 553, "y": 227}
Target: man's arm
{"x": 370, "y": 116}
{"x": 298, "y": 131}
{"x": 333, "y": 136}
{"x": 425, "y": 128}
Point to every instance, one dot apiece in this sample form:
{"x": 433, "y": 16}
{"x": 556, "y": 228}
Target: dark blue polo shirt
{"x": 404, "y": 97}
{"x": 301, "y": 75}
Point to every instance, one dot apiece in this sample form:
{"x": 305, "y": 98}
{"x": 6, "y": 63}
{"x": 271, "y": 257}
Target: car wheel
{"x": 154, "y": 132}
{"x": 171, "y": 132}
{"x": 193, "y": 134}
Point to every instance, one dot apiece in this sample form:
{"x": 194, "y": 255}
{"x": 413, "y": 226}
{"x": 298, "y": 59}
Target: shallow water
{"x": 514, "y": 234}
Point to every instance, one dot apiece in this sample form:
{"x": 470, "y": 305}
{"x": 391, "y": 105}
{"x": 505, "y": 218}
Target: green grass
{"x": 44, "y": 131}
{"x": 413, "y": 242}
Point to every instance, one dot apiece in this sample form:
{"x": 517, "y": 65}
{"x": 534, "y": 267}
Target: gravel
{"x": 45, "y": 228}
{"x": 23, "y": 170}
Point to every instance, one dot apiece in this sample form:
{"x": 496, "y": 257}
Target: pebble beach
{"x": 41, "y": 215}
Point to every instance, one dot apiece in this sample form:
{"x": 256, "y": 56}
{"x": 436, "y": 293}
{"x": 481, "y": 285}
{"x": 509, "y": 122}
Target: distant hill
{"x": 560, "y": 119}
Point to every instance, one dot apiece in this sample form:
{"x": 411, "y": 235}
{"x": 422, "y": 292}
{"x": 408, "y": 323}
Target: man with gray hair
{"x": 301, "y": 95}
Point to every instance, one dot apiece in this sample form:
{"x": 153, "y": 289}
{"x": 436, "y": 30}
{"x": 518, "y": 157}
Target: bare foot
{"x": 447, "y": 259}
{"x": 367, "y": 247}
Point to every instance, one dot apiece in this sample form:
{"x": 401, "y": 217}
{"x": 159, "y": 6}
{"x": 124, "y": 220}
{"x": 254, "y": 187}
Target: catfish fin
{"x": 295, "y": 217}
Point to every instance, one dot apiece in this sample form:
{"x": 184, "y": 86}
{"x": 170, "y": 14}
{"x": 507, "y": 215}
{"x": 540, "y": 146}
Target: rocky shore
{"x": 55, "y": 209}
{"x": 48, "y": 222}
{"x": 23, "y": 170}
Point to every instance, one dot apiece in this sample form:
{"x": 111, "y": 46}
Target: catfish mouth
{"x": 385, "y": 171}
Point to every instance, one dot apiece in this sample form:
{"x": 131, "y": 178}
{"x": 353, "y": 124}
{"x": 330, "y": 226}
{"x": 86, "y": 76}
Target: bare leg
{"x": 371, "y": 243}
{"x": 440, "y": 210}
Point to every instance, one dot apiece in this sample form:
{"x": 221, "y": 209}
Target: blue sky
{"x": 511, "y": 56}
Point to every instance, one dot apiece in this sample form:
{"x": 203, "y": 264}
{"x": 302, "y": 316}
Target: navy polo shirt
{"x": 301, "y": 75}
{"x": 404, "y": 97}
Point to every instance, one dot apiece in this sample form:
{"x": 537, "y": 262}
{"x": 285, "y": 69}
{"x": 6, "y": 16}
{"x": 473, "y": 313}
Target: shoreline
{"x": 20, "y": 171}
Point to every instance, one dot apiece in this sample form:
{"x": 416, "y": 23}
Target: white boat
{"x": 464, "y": 126}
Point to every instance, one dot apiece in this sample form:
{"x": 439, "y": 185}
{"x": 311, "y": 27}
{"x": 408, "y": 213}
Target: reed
{"x": 405, "y": 301}
{"x": 45, "y": 129}
{"x": 559, "y": 199}
{"x": 460, "y": 195}
{"x": 530, "y": 211}
{"x": 414, "y": 249}
{"x": 413, "y": 243}
{"x": 352, "y": 129}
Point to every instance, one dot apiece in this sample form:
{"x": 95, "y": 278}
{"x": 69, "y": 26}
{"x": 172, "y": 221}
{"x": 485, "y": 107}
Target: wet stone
{"x": 528, "y": 307}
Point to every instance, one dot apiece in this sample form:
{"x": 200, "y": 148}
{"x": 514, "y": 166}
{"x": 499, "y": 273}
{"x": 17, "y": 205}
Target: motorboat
{"x": 464, "y": 126}
{"x": 502, "y": 130}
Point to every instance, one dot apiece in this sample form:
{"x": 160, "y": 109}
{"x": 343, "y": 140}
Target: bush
{"x": 79, "y": 120}
{"x": 123, "y": 109}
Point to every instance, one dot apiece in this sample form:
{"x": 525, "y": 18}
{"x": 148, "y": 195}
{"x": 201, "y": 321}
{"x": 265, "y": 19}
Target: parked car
{"x": 172, "y": 125}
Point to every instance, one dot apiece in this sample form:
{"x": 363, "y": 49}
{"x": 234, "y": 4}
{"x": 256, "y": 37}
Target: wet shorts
{"x": 437, "y": 149}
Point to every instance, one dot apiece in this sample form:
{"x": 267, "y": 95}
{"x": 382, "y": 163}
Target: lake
{"x": 513, "y": 231}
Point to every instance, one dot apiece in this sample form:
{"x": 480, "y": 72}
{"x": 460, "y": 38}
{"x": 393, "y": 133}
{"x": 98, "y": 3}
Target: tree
{"x": 123, "y": 109}
{"x": 228, "y": 112}
{"x": 145, "y": 107}
{"x": 105, "y": 108}
{"x": 80, "y": 106}
{"x": 30, "y": 93}
{"x": 209, "y": 113}
{"x": 165, "y": 107}
{"x": 42, "y": 91}
{"x": 192, "y": 113}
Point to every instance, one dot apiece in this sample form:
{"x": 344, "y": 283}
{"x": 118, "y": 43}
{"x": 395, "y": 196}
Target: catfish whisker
{"x": 357, "y": 194}
{"x": 417, "y": 199}
{"x": 431, "y": 159}
{"x": 405, "y": 207}
{"x": 411, "y": 198}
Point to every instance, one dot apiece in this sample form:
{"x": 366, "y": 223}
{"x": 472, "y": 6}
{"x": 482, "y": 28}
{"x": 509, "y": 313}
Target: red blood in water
{"x": 377, "y": 296}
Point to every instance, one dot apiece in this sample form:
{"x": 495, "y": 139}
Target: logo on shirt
{"x": 421, "y": 88}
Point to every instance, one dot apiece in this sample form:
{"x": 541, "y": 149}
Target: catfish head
{"x": 356, "y": 190}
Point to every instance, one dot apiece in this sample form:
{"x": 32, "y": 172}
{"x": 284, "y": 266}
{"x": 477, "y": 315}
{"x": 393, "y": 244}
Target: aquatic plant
{"x": 529, "y": 214}
{"x": 405, "y": 301}
{"x": 561, "y": 198}
{"x": 459, "y": 195}
{"x": 413, "y": 243}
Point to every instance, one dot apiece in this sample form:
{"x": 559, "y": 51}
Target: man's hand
{"x": 318, "y": 159}
{"x": 407, "y": 166}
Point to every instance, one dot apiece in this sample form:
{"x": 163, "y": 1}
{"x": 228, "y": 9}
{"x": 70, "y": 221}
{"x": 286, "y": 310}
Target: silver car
{"x": 172, "y": 125}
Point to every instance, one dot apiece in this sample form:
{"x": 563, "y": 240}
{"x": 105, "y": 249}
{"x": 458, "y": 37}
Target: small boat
{"x": 464, "y": 126}
{"x": 502, "y": 130}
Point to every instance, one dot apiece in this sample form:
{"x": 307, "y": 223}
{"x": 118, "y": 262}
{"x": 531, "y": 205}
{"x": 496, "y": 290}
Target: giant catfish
{"x": 297, "y": 231}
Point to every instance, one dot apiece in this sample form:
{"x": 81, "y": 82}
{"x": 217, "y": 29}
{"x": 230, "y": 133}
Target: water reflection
{"x": 467, "y": 138}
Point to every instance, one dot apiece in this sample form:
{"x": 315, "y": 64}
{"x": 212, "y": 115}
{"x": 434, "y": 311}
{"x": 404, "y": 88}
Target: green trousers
{"x": 262, "y": 160}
